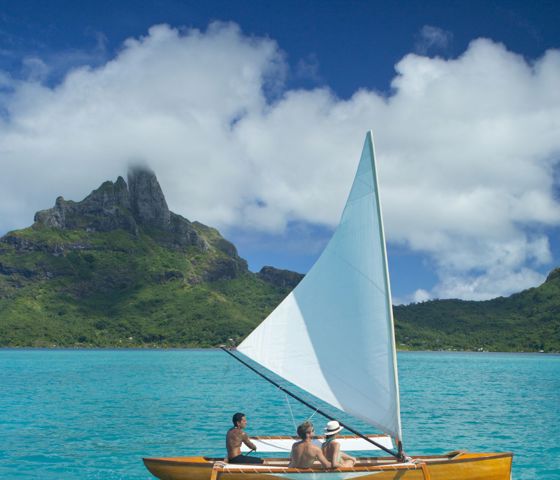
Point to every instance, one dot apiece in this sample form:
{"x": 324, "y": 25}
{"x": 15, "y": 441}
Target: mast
{"x": 387, "y": 282}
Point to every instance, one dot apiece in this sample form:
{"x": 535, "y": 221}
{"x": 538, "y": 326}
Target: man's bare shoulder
{"x": 315, "y": 449}
{"x": 234, "y": 433}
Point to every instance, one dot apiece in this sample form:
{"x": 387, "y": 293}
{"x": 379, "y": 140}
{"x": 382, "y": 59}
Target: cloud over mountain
{"x": 468, "y": 148}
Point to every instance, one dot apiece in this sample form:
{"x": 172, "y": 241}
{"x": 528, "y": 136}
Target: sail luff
{"x": 388, "y": 297}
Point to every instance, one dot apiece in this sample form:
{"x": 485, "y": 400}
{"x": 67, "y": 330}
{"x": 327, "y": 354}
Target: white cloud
{"x": 493, "y": 283}
{"x": 421, "y": 295}
{"x": 466, "y": 146}
{"x": 431, "y": 37}
{"x": 35, "y": 69}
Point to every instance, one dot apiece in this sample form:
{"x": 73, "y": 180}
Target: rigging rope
{"x": 399, "y": 455}
{"x": 312, "y": 415}
{"x": 291, "y": 413}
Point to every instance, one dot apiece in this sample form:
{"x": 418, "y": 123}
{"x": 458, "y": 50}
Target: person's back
{"x": 235, "y": 437}
{"x": 304, "y": 453}
{"x": 331, "y": 448}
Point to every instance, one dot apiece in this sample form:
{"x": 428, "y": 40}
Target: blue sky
{"x": 253, "y": 114}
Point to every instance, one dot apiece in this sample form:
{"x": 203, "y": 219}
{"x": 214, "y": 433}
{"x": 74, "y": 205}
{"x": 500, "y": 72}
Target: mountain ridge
{"x": 528, "y": 321}
{"x": 119, "y": 269}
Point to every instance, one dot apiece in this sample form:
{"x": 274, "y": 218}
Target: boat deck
{"x": 362, "y": 462}
{"x": 456, "y": 465}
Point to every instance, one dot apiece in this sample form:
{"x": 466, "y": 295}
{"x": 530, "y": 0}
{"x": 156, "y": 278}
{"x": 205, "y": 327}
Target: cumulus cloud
{"x": 466, "y": 147}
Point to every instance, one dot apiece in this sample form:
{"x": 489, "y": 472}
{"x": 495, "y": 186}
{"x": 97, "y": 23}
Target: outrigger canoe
{"x": 450, "y": 466}
{"x": 333, "y": 336}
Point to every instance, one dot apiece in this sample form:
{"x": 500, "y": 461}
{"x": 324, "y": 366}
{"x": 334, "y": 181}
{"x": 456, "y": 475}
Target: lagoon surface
{"x": 96, "y": 413}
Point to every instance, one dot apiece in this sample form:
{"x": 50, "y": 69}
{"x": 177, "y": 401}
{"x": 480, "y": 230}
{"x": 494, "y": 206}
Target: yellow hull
{"x": 453, "y": 466}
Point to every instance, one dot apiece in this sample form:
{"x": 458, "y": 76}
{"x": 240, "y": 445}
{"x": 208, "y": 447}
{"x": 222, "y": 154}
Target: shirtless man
{"x": 304, "y": 453}
{"x": 235, "y": 437}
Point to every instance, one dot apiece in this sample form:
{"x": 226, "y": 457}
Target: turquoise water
{"x": 95, "y": 414}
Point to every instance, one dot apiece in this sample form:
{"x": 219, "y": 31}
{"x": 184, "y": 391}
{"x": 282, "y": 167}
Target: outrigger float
{"x": 333, "y": 336}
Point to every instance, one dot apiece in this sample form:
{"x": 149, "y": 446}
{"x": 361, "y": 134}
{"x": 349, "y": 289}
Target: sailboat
{"x": 333, "y": 336}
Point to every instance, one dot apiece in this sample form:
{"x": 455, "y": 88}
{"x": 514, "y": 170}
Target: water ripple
{"x": 94, "y": 414}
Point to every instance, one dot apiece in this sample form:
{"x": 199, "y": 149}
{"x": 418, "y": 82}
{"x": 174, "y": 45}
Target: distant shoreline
{"x": 156, "y": 349}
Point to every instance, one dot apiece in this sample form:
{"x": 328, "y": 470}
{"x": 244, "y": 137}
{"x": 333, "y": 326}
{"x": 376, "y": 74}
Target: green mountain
{"x": 528, "y": 321}
{"x": 120, "y": 269}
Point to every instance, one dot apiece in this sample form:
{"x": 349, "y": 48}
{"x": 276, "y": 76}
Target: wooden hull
{"x": 453, "y": 466}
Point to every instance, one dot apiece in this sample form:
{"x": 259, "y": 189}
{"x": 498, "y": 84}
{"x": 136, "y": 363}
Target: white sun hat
{"x": 333, "y": 427}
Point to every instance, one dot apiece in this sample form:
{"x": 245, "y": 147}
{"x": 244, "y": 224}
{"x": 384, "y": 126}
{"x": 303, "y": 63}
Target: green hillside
{"x": 119, "y": 269}
{"x": 528, "y": 321}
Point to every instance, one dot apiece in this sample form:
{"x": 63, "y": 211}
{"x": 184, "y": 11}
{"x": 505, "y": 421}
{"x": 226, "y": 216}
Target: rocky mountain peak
{"x": 108, "y": 197}
{"x": 104, "y": 209}
{"x": 146, "y": 198}
{"x": 140, "y": 203}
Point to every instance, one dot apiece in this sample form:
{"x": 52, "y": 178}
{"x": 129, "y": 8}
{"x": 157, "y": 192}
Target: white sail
{"x": 333, "y": 334}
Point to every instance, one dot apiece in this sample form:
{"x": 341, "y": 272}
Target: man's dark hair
{"x": 237, "y": 417}
{"x": 302, "y": 429}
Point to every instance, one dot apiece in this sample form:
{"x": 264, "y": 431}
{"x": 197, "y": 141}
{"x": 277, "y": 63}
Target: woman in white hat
{"x": 331, "y": 448}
